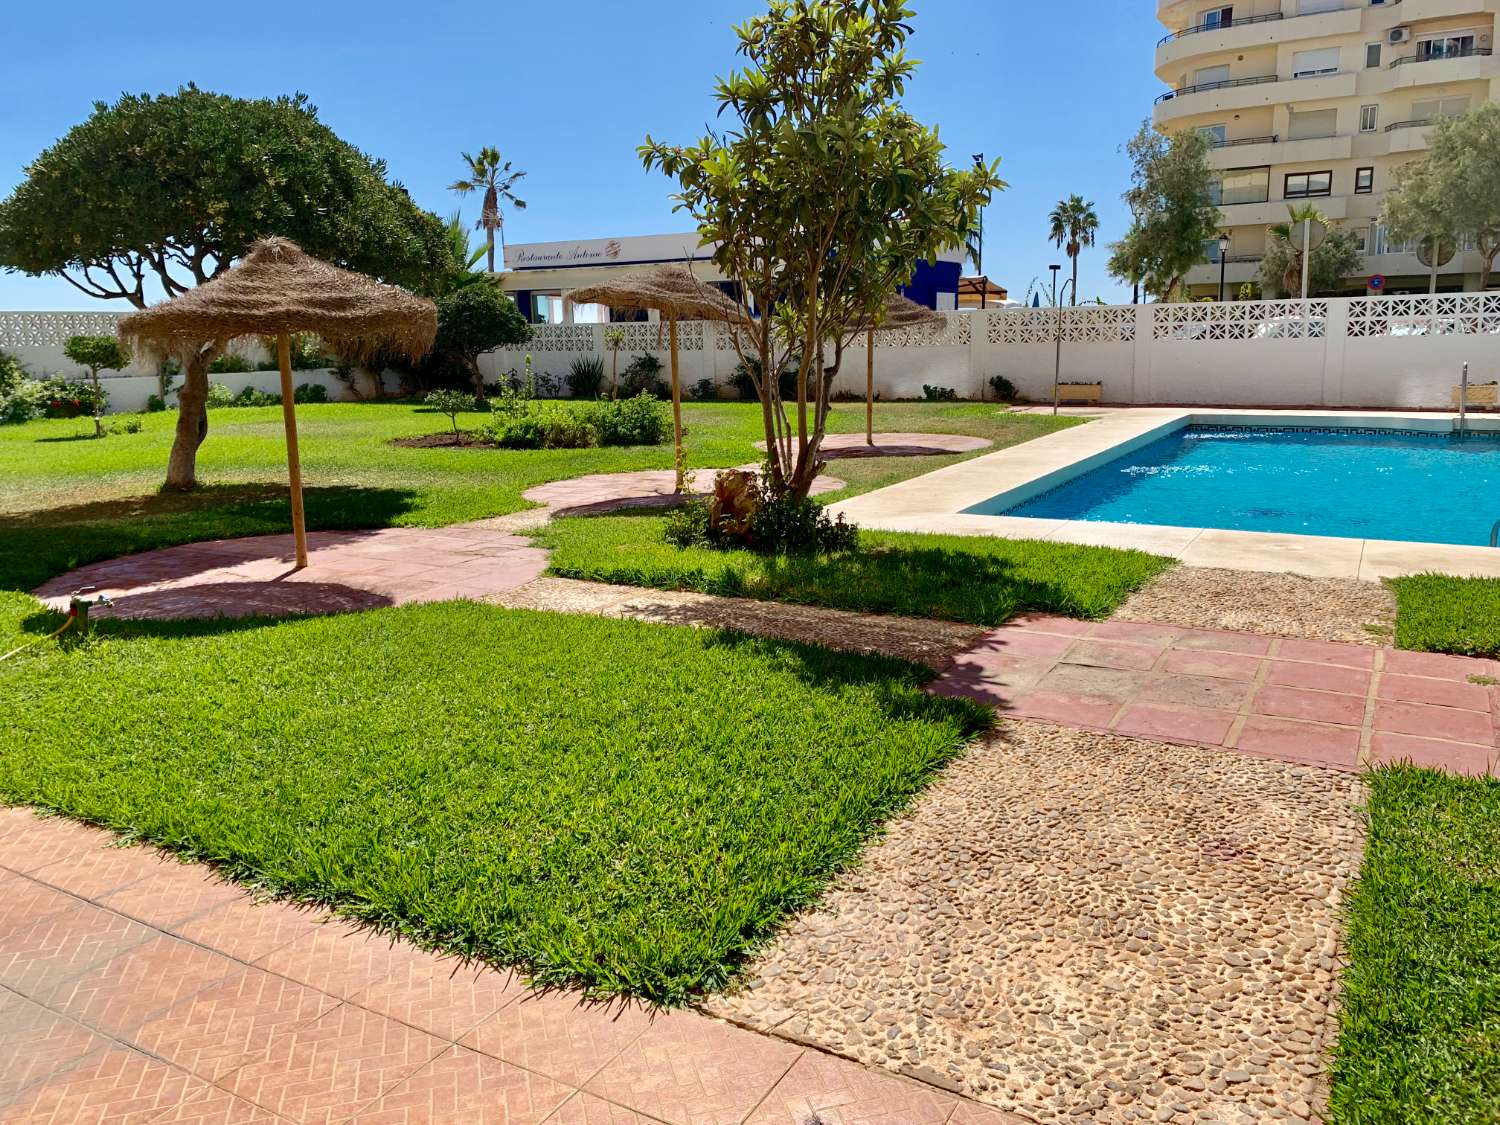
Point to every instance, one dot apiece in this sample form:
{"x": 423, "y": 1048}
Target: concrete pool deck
{"x": 936, "y": 502}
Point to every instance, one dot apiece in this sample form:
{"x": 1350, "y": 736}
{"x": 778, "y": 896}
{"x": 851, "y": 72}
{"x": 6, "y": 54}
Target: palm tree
{"x": 487, "y": 173}
{"x": 1074, "y": 223}
{"x": 1289, "y": 234}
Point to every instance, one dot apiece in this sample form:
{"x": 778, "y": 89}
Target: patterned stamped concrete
{"x": 136, "y": 989}
{"x": 1321, "y": 703}
{"x": 836, "y": 446}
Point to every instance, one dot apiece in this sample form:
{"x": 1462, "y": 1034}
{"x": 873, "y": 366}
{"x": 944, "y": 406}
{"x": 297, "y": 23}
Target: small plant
{"x": 304, "y": 350}
{"x": 249, "y": 396}
{"x": 310, "y": 392}
{"x": 939, "y": 394}
{"x": 1005, "y": 390}
{"x": 786, "y": 383}
{"x": 614, "y": 340}
{"x": 641, "y": 420}
{"x": 643, "y": 376}
{"x": 742, "y": 513}
{"x": 97, "y": 353}
{"x": 232, "y": 363}
{"x": 704, "y": 390}
{"x": 125, "y": 426}
{"x": 218, "y": 395}
{"x": 586, "y": 377}
{"x": 451, "y": 403}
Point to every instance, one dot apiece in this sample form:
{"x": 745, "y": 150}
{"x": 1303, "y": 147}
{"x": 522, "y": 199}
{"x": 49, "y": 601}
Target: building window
{"x": 1244, "y": 185}
{"x": 1324, "y": 60}
{"x": 1369, "y": 118}
{"x": 1364, "y": 181}
{"x": 1216, "y": 17}
{"x": 1215, "y": 135}
{"x": 1439, "y": 107}
{"x": 1372, "y": 56}
{"x": 1312, "y": 124}
{"x": 1305, "y": 185}
{"x": 1362, "y": 237}
{"x": 1449, "y": 46}
{"x": 1211, "y": 250}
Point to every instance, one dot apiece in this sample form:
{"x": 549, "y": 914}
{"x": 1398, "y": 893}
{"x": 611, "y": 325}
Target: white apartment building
{"x": 1318, "y": 101}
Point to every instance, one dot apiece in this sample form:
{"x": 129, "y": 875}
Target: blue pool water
{"x": 1363, "y": 484}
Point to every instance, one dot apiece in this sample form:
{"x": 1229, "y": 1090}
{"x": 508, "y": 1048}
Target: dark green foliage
{"x": 789, "y": 524}
{"x": 586, "y": 377}
{"x": 786, "y": 379}
{"x": 231, "y": 363}
{"x": 640, "y": 420}
{"x": 476, "y": 319}
{"x": 451, "y": 403}
{"x": 1441, "y": 613}
{"x": 938, "y": 394}
{"x": 97, "y": 353}
{"x": 1005, "y": 390}
{"x": 643, "y": 376}
{"x": 704, "y": 390}
{"x": 176, "y": 186}
{"x": 1420, "y": 1008}
{"x": 219, "y": 395}
{"x": 249, "y": 396}
{"x": 545, "y": 426}
{"x": 310, "y": 392}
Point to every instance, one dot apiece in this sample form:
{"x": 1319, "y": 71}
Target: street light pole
{"x": 1057, "y": 354}
{"x": 984, "y": 291}
{"x": 1223, "y": 262}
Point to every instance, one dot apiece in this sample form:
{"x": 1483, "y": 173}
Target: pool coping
{"x": 935, "y": 502}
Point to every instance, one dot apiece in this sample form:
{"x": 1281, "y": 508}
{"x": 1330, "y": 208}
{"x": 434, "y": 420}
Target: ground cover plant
{"x": 1441, "y": 613}
{"x": 1421, "y": 993}
{"x": 977, "y": 579}
{"x": 65, "y": 502}
{"x": 582, "y": 808}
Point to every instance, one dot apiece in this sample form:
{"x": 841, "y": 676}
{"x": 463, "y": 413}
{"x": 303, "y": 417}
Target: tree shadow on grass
{"x": 40, "y": 544}
{"x": 66, "y": 438}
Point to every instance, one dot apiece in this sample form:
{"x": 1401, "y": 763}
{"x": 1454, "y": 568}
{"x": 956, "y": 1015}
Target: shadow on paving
{"x": 40, "y": 544}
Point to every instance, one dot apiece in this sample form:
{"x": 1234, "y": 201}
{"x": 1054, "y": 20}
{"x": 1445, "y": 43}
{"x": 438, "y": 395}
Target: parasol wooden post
{"x": 676, "y": 401}
{"x": 293, "y": 462}
{"x": 870, "y": 387}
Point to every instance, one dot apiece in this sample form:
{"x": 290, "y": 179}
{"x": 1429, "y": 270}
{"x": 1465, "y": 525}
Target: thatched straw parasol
{"x": 898, "y": 312}
{"x": 675, "y": 293}
{"x": 275, "y": 291}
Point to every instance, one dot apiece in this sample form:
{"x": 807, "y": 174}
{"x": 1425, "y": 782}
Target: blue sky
{"x": 568, "y": 88}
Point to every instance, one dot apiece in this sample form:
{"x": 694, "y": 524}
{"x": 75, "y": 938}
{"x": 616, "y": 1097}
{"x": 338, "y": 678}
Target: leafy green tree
{"x": 1454, "y": 190}
{"x": 1073, "y": 225}
{"x": 452, "y": 403}
{"x": 1333, "y": 260}
{"x": 821, "y": 195}
{"x": 175, "y": 188}
{"x": 476, "y": 319}
{"x": 1172, "y": 209}
{"x": 97, "y": 353}
{"x": 614, "y": 340}
{"x": 488, "y": 174}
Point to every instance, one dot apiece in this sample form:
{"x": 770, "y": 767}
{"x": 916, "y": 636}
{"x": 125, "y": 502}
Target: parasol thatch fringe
{"x": 901, "y": 312}
{"x": 277, "y": 288}
{"x": 671, "y": 290}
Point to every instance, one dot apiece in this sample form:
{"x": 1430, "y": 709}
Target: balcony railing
{"x": 1221, "y": 85}
{"x": 1419, "y": 123}
{"x": 1271, "y": 140}
{"x": 1218, "y": 26}
{"x": 1466, "y": 53}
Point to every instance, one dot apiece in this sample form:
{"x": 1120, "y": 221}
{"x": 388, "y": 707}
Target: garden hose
{"x": 68, "y": 624}
{"x": 78, "y": 617}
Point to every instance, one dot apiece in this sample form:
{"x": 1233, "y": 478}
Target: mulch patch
{"x": 444, "y": 441}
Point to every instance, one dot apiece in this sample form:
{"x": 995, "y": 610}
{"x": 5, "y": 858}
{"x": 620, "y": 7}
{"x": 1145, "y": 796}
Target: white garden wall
{"x": 1399, "y": 352}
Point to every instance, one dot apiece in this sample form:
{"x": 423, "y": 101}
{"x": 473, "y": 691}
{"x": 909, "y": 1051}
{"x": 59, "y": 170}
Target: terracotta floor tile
{"x": 1050, "y": 623}
{"x": 556, "y": 1035}
{"x": 66, "y": 946}
{"x": 29, "y": 841}
{"x": 973, "y": 1113}
{"x": 821, "y": 1087}
{"x": 1136, "y": 632}
{"x": 1440, "y": 693}
{"x": 1223, "y": 665}
{"x": 1174, "y": 724}
{"x": 1434, "y": 722}
{"x": 214, "y": 1031}
{"x": 1056, "y": 707}
{"x": 464, "y": 1087}
{"x": 202, "y": 1104}
{"x": 1086, "y": 680}
{"x": 93, "y": 871}
{"x": 1326, "y": 652}
{"x": 586, "y": 1109}
{"x": 1217, "y": 640}
{"x": 688, "y": 1068}
{"x": 328, "y": 1070}
{"x": 1195, "y": 691}
{"x": 1455, "y": 757}
{"x": 440, "y": 995}
{"x": 1019, "y": 642}
{"x": 35, "y": 1043}
{"x": 1112, "y": 654}
{"x": 24, "y": 902}
{"x": 1293, "y": 741}
{"x": 338, "y": 958}
{"x": 172, "y": 893}
{"x": 1318, "y": 677}
{"x": 1438, "y": 665}
{"x": 113, "y": 1086}
{"x": 1314, "y": 706}
{"x": 249, "y": 929}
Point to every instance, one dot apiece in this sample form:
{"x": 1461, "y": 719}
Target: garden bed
{"x": 443, "y": 441}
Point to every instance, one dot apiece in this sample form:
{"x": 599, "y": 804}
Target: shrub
{"x": 21, "y": 399}
{"x": 1005, "y": 390}
{"x": 586, "y": 377}
{"x": 939, "y": 394}
{"x": 743, "y": 514}
{"x": 641, "y": 420}
{"x": 451, "y": 403}
{"x": 786, "y": 385}
{"x": 704, "y": 390}
{"x": 562, "y": 429}
{"x": 219, "y": 395}
{"x": 310, "y": 392}
{"x": 125, "y": 426}
{"x": 63, "y": 399}
{"x": 476, "y": 319}
{"x": 304, "y": 349}
{"x": 231, "y": 363}
{"x": 155, "y": 404}
{"x": 799, "y": 525}
{"x": 517, "y": 431}
{"x": 643, "y": 376}
{"x": 249, "y": 396}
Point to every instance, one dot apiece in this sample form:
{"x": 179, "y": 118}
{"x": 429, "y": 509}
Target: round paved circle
{"x": 897, "y": 445}
{"x": 649, "y": 488}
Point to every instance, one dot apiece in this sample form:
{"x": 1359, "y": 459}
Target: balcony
{"x": 1274, "y": 210}
{"x": 1275, "y": 150}
{"x": 1409, "y": 136}
{"x": 1250, "y": 93}
{"x": 1250, "y": 32}
{"x": 1469, "y": 65}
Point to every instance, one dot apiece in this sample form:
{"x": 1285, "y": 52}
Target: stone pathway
{"x": 137, "y": 989}
{"x": 651, "y": 488}
{"x": 1316, "y": 702}
{"x": 837, "y": 446}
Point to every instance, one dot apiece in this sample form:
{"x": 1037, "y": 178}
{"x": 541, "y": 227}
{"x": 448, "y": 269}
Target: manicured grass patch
{"x": 977, "y": 579}
{"x": 1440, "y": 613}
{"x": 66, "y": 502}
{"x": 623, "y": 806}
{"x": 1419, "y": 1033}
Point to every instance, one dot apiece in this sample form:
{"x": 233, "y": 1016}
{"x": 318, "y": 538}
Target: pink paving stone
{"x": 1113, "y": 654}
{"x": 1067, "y": 709}
{"x": 1135, "y": 632}
{"x": 1018, "y": 642}
{"x": 1439, "y": 665}
{"x": 1440, "y": 693}
{"x": 1315, "y": 706}
{"x": 1048, "y": 623}
{"x": 1219, "y": 640}
{"x": 1292, "y": 741}
{"x": 1448, "y": 723}
{"x": 1224, "y": 665}
{"x": 1318, "y": 677}
{"x": 1327, "y": 652}
{"x": 1454, "y": 757}
{"x": 1175, "y": 724}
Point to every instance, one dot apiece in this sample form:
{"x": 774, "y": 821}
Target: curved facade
{"x": 1318, "y": 101}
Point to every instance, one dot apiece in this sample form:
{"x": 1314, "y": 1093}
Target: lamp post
{"x": 984, "y": 291}
{"x": 1057, "y": 355}
{"x": 1223, "y": 260}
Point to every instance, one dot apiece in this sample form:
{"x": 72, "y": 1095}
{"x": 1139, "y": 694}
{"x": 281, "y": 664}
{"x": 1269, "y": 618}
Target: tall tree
{"x": 1073, "y": 226}
{"x": 1171, "y": 202}
{"x": 488, "y": 174}
{"x": 1455, "y": 189}
{"x": 820, "y": 196}
{"x": 174, "y": 188}
{"x": 1328, "y": 265}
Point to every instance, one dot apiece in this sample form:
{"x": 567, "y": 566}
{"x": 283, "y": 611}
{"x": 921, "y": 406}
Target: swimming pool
{"x": 1353, "y": 482}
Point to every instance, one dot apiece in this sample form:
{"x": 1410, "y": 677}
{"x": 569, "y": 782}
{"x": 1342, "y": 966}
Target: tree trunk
{"x": 1486, "y": 266}
{"x": 98, "y": 403}
{"x": 192, "y": 423}
{"x": 1073, "y": 298}
{"x": 478, "y": 377}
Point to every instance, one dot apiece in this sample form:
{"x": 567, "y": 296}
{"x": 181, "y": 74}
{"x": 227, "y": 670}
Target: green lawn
{"x": 1420, "y": 1020}
{"x": 66, "y": 500}
{"x": 622, "y": 806}
{"x": 1440, "y": 613}
{"x": 977, "y": 579}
